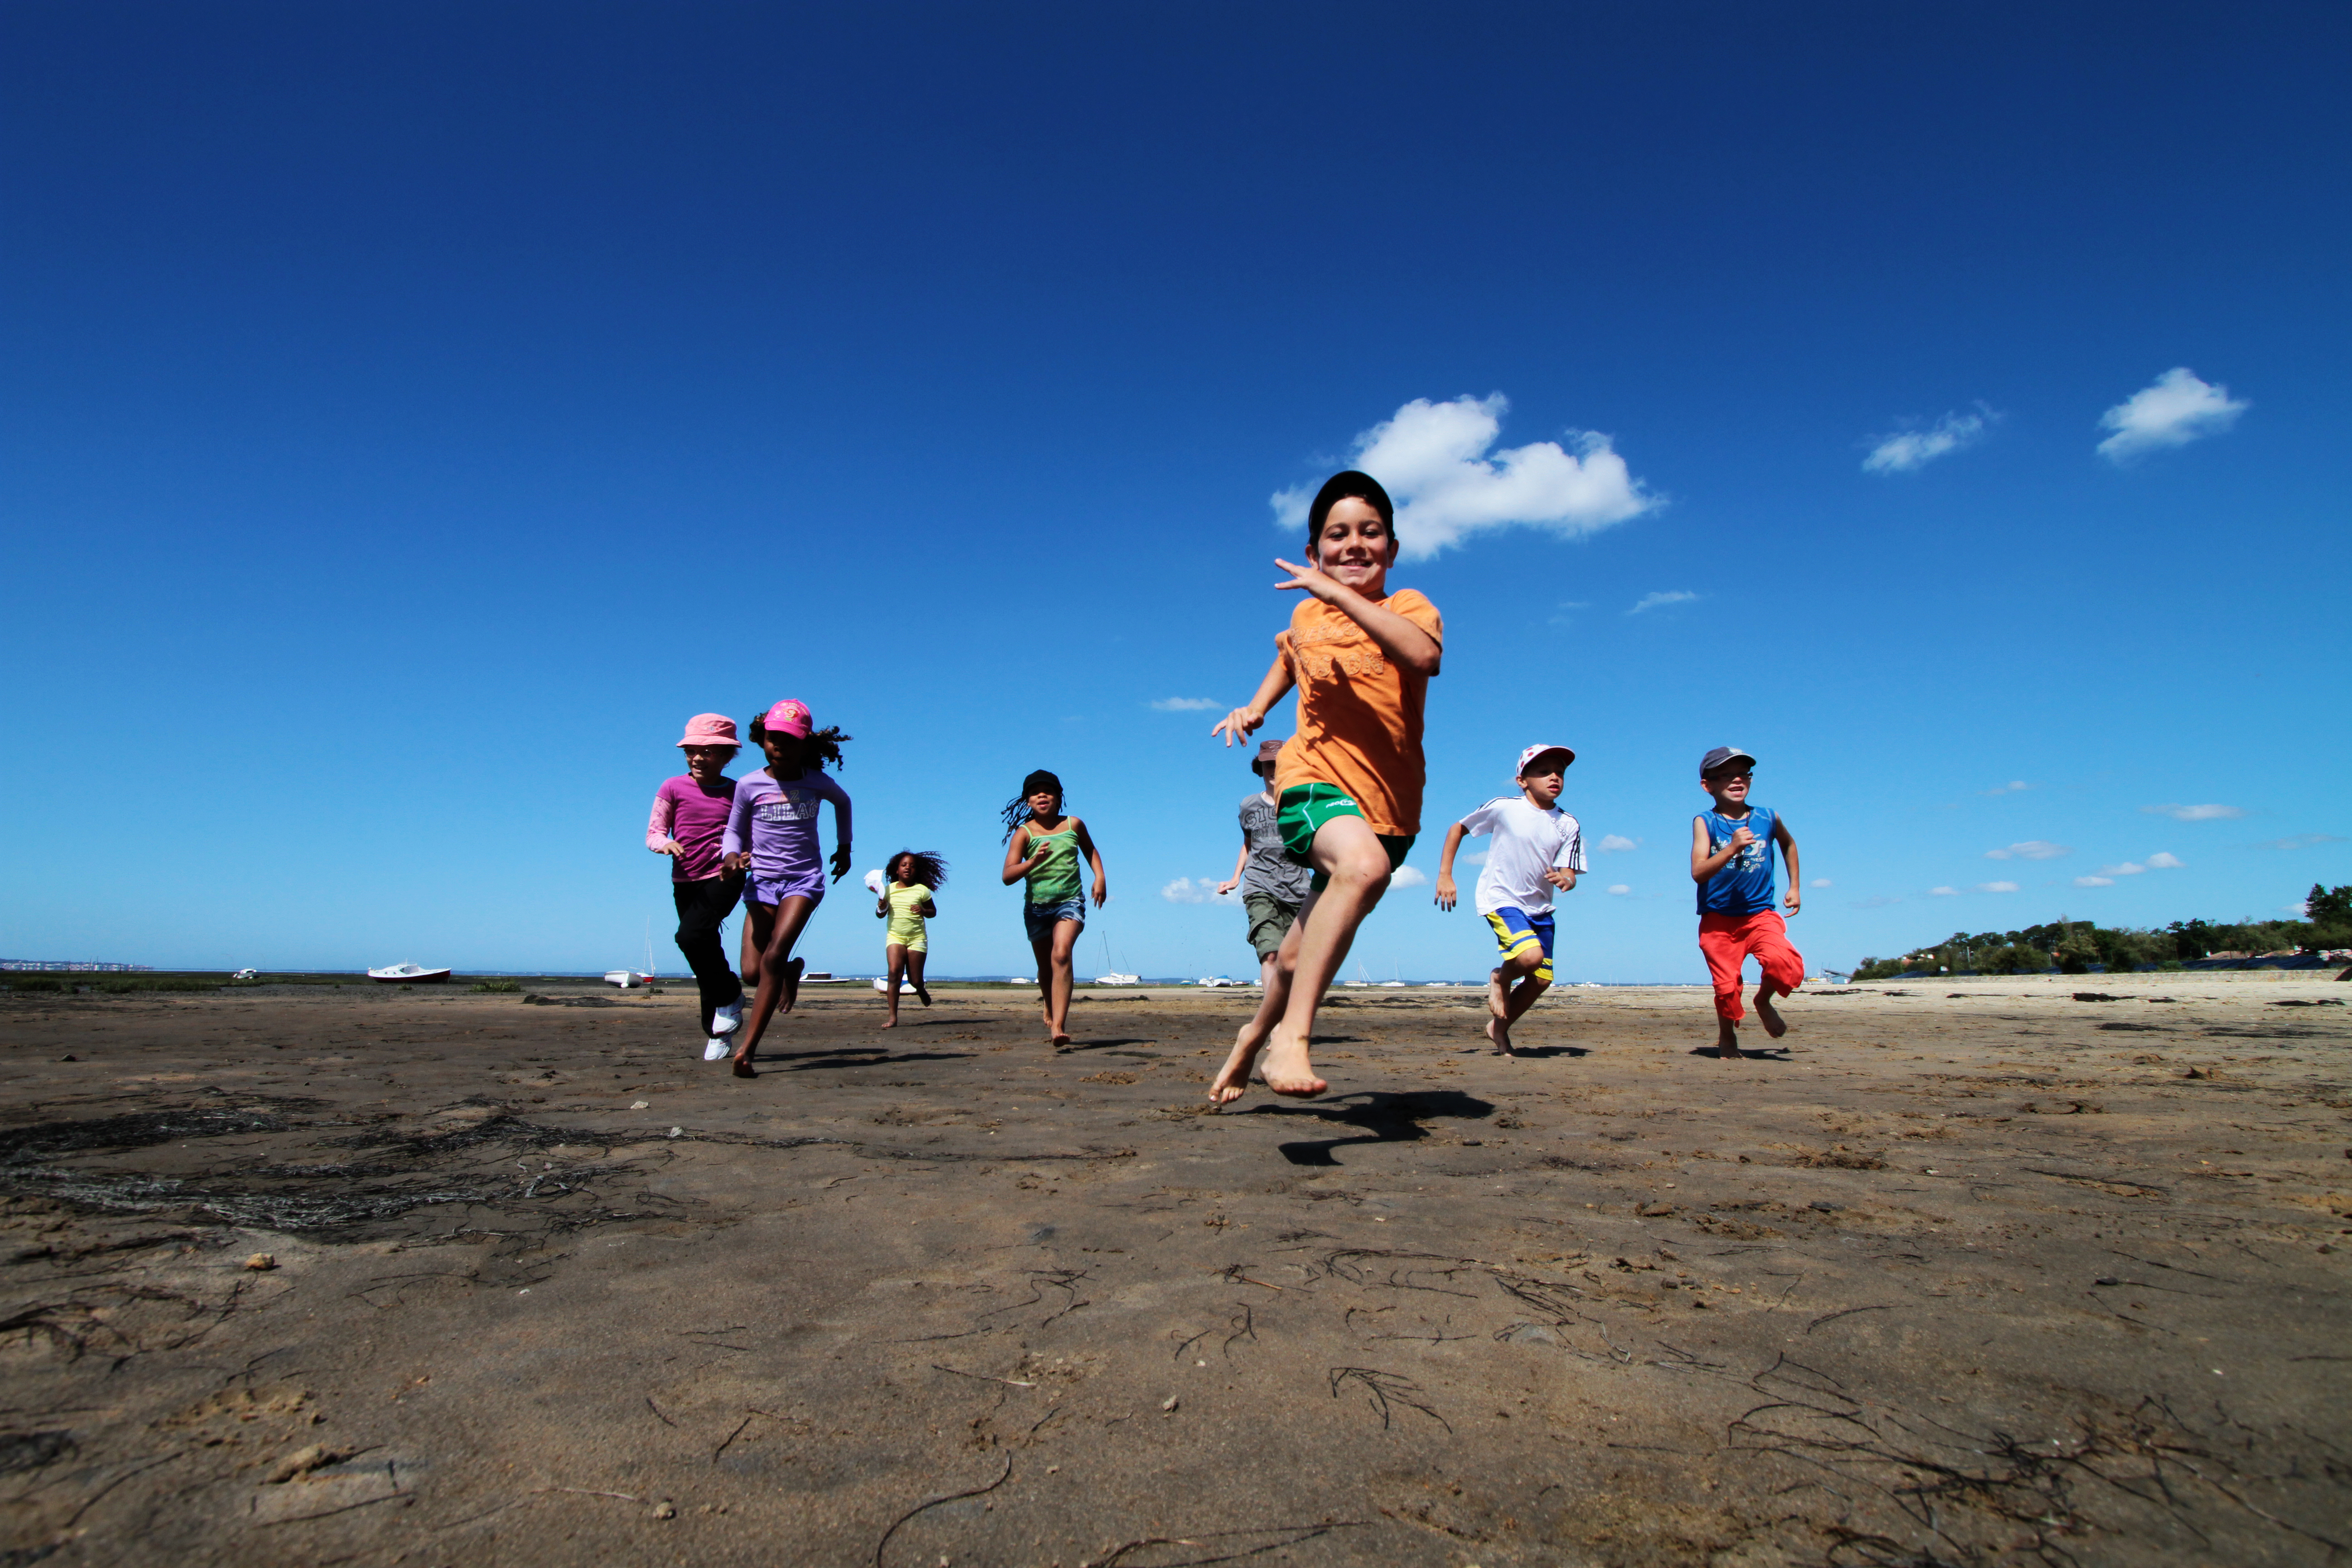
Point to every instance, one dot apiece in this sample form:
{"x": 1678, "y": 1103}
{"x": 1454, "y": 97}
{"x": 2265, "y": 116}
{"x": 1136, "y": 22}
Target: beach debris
{"x": 1654, "y": 1210}
{"x": 1168, "y": 1405}
{"x": 665, "y": 1510}
{"x": 262, "y": 1262}
{"x": 303, "y": 1461}
{"x": 678, "y": 1131}
{"x": 2094, "y": 997}
{"x": 641, "y": 1105}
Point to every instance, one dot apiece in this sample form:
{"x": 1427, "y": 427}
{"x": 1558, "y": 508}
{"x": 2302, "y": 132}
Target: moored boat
{"x": 406, "y": 974}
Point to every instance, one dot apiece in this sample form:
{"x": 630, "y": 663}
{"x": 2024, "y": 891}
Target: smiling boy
{"x": 1731, "y": 861}
{"x": 1538, "y": 848}
{"x": 1347, "y": 785}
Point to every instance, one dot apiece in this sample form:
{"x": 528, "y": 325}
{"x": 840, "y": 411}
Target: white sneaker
{"x": 715, "y": 1049}
{"x": 728, "y": 1019}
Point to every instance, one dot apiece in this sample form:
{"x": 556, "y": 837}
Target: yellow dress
{"x": 907, "y": 929}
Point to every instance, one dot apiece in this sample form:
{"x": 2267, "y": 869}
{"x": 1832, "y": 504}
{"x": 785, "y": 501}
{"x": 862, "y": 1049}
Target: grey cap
{"x": 1266, "y": 752}
{"x": 1722, "y": 756}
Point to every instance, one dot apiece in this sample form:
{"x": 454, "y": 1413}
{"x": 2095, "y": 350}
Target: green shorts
{"x": 1303, "y": 810}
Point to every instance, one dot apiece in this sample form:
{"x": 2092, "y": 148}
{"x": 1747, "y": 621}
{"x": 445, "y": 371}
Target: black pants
{"x": 701, "y": 905}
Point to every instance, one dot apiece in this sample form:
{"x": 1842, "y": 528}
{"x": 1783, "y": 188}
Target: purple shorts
{"x": 809, "y": 885}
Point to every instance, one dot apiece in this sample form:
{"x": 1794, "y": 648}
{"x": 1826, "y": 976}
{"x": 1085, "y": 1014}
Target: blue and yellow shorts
{"x": 1303, "y": 809}
{"x": 1515, "y": 930}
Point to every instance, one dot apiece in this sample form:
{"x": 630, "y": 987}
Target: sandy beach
{"x": 1970, "y": 1273}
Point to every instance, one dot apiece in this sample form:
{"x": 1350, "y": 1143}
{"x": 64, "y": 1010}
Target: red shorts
{"x": 1726, "y": 940}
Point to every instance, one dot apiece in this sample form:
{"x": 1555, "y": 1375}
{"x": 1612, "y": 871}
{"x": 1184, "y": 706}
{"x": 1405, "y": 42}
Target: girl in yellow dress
{"x": 906, "y": 902}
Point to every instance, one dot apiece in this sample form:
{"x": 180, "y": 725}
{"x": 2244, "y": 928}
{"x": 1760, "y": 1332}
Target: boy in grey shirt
{"x": 1273, "y": 886}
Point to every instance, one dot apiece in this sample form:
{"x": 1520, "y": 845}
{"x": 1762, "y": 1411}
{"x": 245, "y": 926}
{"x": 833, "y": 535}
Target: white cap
{"x": 1532, "y": 753}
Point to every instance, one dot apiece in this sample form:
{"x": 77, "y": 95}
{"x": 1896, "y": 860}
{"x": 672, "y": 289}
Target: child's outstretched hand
{"x": 841, "y": 861}
{"x": 1308, "y": 579}
{"x": 1238, "y": 725}
{"x": 1446, "y": 892}
{"x": 1795, "y": 900}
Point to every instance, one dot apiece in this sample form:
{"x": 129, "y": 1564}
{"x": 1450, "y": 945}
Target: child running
{"x": 773, "y": 831}
{"x": 688, "y": 823}
{"x": 1731, "y": 861}
{"x": 1347, "y": 785}
{"x": 1044, "y": 846}
{"x": 906, "y": 902}
{"x": 1272, "y": 885}
{"x": 1537, "y": 848}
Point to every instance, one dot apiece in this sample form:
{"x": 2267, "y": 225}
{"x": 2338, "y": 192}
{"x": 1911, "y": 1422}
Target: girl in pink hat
{"x": 772, "y": 835}
{"x": 688, "y": 822}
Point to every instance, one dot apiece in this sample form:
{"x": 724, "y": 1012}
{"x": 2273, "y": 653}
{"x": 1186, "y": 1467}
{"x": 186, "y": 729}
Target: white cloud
{"x": 1943, "y": 892}
{"x": 2011, "y": 787}
{"x": 2195, "y": 813}
{"x": 1823, "y": 882}
{"x": 2095, "y": 881}
{"x": 2173, "y": 410}
{"x": 2164, "y": 861}
{"x": 1652, "y": 601}
{"x": 1996, "y": 887}
{"x": 2031, "y": 849}
{"x": 1909, "y": 450}
{"x": 1475, "y": 858}
{"x": 1619, "y": 889}
{"x": 2126, "y": 869}
{"x": 1433, "y": 459}
{"x": 2301, "y": 841}
{"x": 1408, "y": 877}
{"x": 1612, "y": 843}
{"x": 1185, "y": 890}
{"x": 1186, "y": 704}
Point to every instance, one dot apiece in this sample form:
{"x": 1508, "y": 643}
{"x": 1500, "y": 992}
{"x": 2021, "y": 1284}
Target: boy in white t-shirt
{"x": 1536, "y": 848}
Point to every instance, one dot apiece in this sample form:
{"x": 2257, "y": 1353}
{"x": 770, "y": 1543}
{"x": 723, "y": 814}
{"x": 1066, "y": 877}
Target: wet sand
{"x": 1970, "y": 1273}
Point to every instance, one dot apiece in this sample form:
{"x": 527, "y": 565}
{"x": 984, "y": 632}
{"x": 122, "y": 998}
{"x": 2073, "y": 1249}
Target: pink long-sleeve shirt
{"x": 694, "y": 820}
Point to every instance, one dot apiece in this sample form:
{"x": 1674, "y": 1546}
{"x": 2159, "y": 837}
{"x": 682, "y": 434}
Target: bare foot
{"x": 1498, "y": 1001}
{"x": 1233, "y": 1079}
{"x": 1060, "y": 1039}
{"x": 792, "y": 982}
{"x": 923, "y": 992}
{"x": 1500, "y": 1032}
{"x": 743, "y": 1068}
{"x": 1288, "y": 1070}
{"x": 1774, "y": 1025}
{"x": 890, "y": 1023}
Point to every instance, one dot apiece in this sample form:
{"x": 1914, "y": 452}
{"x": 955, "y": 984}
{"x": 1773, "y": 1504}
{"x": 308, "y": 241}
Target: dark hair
{"x": 1016, "y": 810}
{"x": 1349, "y": 483}
{"x": 931, "y": 867}
{"x": 817, "y": 748}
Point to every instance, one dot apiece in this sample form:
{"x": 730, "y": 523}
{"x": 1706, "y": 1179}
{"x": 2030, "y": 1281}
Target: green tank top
{"x": 1055, "y": 880}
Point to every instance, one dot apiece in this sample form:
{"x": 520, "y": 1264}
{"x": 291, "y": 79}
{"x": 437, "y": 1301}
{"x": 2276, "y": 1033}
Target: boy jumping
{"x": 1537, "y": 848}
{"x": 1347, "y": 785}
{"x": 1731, "y": 861}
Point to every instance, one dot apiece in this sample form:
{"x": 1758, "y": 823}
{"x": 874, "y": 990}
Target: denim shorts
{"x": 1041, "y": 919}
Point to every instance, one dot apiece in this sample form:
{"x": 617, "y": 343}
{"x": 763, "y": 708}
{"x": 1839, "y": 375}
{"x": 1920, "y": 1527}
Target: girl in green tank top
{"x": 1043, "y": 847}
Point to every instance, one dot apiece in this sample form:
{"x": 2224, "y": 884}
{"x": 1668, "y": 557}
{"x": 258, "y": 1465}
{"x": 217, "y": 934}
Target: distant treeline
{"x": 2077, "y": 947}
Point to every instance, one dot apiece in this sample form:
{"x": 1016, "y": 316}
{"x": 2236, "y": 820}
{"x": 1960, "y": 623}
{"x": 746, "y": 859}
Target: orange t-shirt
{"x": 1358, "y": 715}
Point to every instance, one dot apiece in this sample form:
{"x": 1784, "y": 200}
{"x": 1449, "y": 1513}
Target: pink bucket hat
{"x": 709, "y": 729}
{"x": 790, "y": 717}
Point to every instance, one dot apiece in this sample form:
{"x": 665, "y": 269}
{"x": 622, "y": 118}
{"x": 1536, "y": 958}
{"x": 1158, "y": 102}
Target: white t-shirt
{"x": 1527, "y": 843}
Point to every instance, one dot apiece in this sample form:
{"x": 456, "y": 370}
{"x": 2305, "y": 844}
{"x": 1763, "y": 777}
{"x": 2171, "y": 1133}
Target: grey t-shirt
{"x": 1269, "y": 870}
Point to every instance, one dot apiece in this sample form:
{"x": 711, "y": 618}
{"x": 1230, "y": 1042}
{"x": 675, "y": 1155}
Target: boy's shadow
{"x": 1766, "y": 1054}
{"x": 1100, "y": 1044}
{"x": 1385, "y": 1119}
{"x": 860, "y": 1056}
{"x": 1550, "y": 1051}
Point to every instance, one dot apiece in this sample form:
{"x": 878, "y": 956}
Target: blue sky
{"x": 414, "y": 413}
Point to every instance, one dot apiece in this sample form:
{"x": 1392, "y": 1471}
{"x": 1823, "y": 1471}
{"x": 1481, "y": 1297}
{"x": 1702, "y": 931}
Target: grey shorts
{"x": 1269, "y": 921}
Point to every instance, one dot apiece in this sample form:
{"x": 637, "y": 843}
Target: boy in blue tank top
{"x": 1731, "y": 861}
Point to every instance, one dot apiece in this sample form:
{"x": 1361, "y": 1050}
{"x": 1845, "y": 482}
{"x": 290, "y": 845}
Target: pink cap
{"x": 1532, "y": 753}
{"x": 709, "y": 729}
{"x": 790, "y": 717}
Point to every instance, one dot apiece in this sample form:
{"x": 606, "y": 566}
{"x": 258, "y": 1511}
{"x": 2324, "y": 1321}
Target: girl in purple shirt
{"x": 772, "y": 835}
{"x": 688, "y": 822}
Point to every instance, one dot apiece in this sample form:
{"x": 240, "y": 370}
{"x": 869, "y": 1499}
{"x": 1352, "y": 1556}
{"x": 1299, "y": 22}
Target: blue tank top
{"x": 1744, "y": 886}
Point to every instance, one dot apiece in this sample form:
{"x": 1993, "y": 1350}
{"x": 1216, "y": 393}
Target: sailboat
{"x": 1114, "y": 977}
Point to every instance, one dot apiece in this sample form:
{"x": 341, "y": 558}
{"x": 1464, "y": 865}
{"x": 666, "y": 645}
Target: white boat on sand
{"x": 406, "y": 974}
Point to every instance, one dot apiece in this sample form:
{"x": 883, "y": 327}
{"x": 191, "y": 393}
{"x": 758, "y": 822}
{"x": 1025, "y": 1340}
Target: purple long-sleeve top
{"x": 694, "y": 820}
{"x": 777, "y": 822}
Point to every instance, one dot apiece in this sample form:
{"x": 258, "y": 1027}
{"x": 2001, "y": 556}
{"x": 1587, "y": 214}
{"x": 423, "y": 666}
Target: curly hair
{"x": 930, "y": 868}
{"x": 820, "y": 747}
{"x": 1016, "y": 810}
